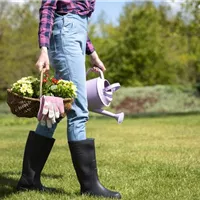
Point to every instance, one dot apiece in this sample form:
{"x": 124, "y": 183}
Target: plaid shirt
{"x": 49, "y": 7}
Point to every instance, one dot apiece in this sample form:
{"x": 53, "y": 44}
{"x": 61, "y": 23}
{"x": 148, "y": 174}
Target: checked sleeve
{"x": 47, "y": 11}
{"x": 89, "y": 47}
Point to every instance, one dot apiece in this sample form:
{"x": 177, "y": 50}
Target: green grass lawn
{"x": 154, "y": 158}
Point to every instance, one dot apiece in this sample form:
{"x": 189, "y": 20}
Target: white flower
{"x": 53, "y": 87}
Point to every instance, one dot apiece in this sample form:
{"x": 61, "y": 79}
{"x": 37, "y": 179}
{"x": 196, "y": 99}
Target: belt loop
{"x": 63, "y": 19}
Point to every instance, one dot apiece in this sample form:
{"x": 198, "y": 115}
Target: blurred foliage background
{"x": 149, "y": 46}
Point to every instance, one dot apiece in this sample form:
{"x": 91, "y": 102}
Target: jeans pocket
{"x": 56, "y": 41}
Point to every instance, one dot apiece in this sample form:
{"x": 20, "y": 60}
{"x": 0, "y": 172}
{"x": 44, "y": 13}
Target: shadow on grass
{"x": 8, "y": 184}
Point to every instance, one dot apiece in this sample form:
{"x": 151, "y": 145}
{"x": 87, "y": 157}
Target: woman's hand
{"x": 96, "y": 62}
{"x": 43, "y": 60}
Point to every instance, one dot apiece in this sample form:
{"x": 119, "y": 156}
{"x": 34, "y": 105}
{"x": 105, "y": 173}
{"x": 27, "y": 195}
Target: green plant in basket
{"x": 30, "y": 87}
{"x": 63, "y": 88}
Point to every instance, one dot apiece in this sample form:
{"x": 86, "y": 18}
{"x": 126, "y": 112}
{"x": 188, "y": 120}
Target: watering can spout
{"x": 119, "y": 117}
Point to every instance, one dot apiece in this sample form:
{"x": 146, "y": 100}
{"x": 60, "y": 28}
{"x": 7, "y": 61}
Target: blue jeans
{"x": 67, "y": 57}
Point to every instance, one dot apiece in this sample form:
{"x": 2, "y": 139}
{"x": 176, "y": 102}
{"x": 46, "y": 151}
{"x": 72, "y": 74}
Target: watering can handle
{"x": 101, "y": 73}
{"x": 114, "y": 87}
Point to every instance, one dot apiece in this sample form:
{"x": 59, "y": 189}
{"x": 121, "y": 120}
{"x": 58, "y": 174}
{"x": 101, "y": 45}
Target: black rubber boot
{"x": 36, "y": 152}
{"x": 84, "y": 161}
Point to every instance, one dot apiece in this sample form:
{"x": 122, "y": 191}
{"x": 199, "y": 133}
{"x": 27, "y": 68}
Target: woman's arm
{"x": 95, "y": 60}
{"x": 47, "y": 11}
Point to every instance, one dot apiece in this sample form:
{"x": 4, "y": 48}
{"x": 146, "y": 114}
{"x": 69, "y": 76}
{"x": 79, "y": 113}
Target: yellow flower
{"x": 23, "y": 90}
{"x": 30, "y": 91}
{"x": 74, "y": 88}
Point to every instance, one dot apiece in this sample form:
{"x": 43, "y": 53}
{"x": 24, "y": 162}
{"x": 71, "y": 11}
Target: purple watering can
{"x": 99, "y": 95}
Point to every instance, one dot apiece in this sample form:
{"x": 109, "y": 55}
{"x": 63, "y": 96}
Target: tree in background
{"x": 18, "y": 43}
{"x": 149, "y": 46}
{"x": 192, "y": 32}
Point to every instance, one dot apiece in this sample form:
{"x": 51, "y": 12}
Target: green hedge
{"x": 156, "y": 99}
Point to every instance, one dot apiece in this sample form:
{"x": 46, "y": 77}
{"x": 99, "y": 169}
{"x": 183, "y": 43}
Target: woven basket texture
{"x": 28, "y": 107}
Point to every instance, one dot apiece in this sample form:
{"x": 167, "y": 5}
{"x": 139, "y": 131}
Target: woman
{"x": 63, "y": 40}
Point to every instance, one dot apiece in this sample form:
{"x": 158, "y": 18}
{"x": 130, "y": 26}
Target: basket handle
{"x": 41, "y": 81}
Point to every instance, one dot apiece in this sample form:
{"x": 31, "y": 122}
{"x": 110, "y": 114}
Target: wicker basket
{"x": 29, "y": 107}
